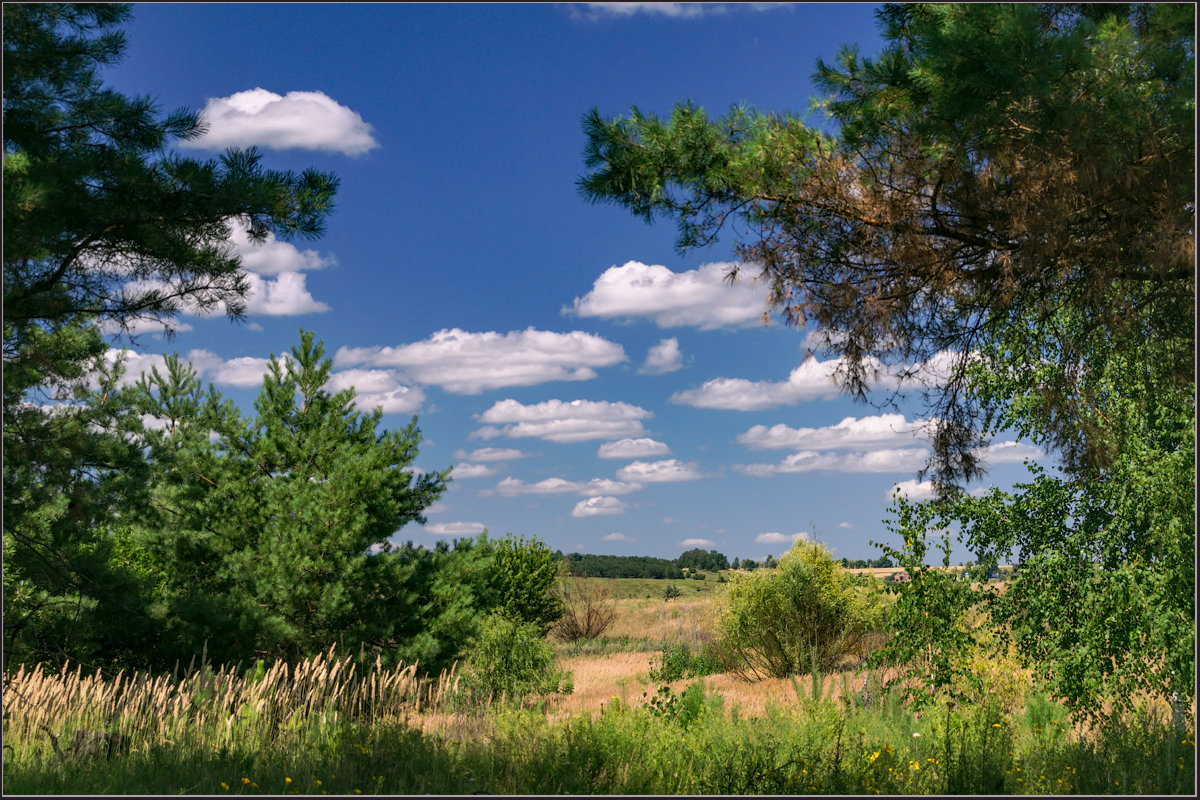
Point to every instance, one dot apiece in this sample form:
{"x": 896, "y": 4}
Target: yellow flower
{"x": 318, "y": 780}
{"x": 225, "y": 786}
{"x": 245, "y": 781}
{"x": 287, "y": 780}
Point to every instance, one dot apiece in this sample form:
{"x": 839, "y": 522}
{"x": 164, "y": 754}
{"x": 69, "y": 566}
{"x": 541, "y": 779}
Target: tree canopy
{"x": 992, "y": 169}
{"x": 999, "y": 210}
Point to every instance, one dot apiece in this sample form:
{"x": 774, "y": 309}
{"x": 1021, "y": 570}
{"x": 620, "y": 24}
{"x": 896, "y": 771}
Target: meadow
{"x": 343, "y": 724}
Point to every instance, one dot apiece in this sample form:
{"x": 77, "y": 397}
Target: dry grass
{"x": 679, "y": 620}
{"x": 163, "y": 708}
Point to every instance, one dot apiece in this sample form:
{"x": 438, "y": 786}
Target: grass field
{"x": 339, "y": 726}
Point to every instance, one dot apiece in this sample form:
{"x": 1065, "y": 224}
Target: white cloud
{"x": 472, "y": 471}
{"x": 490, "y": 454}
{"x": 377, "y": 388}
{"x": 285, "y": 296}
{"x": 811, "y": 380}
{"x": 617, "y": 537}
{"x": 897, "y": 460}
{"x": 697, "y": 543}
{"x": 599, "y": 11}
{"x": 456, "y": 528}
{"x": 779, "y": 538}
{"x": 598, "y": 506}
{"x": 633, "y": 448}
{"x": 272, "y": 256}
{"x": 659, "y": 471}
{"x": 851, "y": 434}
{"x": 245, "y": 372}
{"x": 468, "y": 363}
{"x": 701, "y": 298}
{"x": 305, "y": 120}
{"x": 846, "y": 526}
{"x": 663, "y": 357}
{"x": 913, "y": 490}
{"x": 1011, "y": 453}
{"x": 512, "y": 487}
{"x": 558, "y": 421}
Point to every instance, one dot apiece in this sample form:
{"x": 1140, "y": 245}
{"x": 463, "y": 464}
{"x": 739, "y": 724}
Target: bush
{"x": 587, "y": 611}
{"x": 524, "y": 578}
{"x": 510, "y": 660}
{"x": 678, "y": 661}
{"x": 671, "y": 591}
{"x": 772, "y": 623}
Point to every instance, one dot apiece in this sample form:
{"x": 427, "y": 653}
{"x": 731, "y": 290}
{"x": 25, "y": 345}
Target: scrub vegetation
{"x": 202, "y": 599}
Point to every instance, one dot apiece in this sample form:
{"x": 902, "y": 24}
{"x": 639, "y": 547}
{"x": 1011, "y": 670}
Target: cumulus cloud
{"x": 812, "y": 380}
{"x": 377, "y": 388}
{"x": 913, "y": 490}
{"x": 659, "y": 471}
{"x": 865, "y": 433}
{"x": 512, "y": 487}
{"x": 559, "y": 421}
{"x": 456, "y": 528}
{"x": 1011, "y": 452}
{"x": 699, "y": 298}
{"x": 600, "y": 11}
{"x": 779, "y": 538}
{"x": 303, "y": 120}
{"x": 895, "y": 460}
{"x": 490, "y": 454}
{"x": 284, "y": 296}
{"x": 697, "y": 543}
{"x": 598, "y": 506}
{"x": 618, "y": 537}
{"x": 245, "y": 372}
{"x": 663, "y": 357}
{"x": 462, "y": 362}
{"x": 273, "y": 257}
{"x": 472, "y": 471}
{"x": 633, "y": 448}
{"x": 846, "y": 526}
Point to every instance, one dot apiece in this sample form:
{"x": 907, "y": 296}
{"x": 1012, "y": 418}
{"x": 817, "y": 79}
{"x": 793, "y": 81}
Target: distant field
{"x": 641, "y": 588}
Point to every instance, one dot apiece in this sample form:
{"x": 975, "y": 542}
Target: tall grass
{"x": 341, "y": 725}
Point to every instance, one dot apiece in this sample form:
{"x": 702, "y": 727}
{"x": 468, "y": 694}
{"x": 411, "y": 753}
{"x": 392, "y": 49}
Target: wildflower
{"x": 225, "y": 786}
{"x": 995, "y": 724}
{"x": 916, "y": 735}
{"x": 287, "y": 780}
{"x": 318, "y": 780}
{"x": 245, "y": 781}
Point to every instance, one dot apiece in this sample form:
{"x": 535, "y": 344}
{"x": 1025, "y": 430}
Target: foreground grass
{"x": 323, "y": 728}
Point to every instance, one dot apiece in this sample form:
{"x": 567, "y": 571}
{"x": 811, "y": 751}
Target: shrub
{"x": 509, "y": 659}
{"x": 678, "y": 661}
{"x": 772, "y": 623}
{"x": 671, "y": 591}
{"x": 587, "y": 611}
{"x": 524, "y": 578}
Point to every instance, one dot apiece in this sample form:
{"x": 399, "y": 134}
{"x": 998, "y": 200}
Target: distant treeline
{"x": 594, "y": 566}
{"x": 859, "y": 563}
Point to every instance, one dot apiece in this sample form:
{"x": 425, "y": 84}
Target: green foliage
{"x": 261, "y": 529}
{"x": 524, "y": 579}
{"x": 700, "y": 559}
{"x": 774, "y": 624}
{"x": 678, "y": 661}
{"x": 670, "y": 591}
{"x": 594, "y": 566}
{"x": 933, "y": 637}
{"x": 104, "y": 230}
{"x": 994, "y": 166}
{"x": 510, "y": 660}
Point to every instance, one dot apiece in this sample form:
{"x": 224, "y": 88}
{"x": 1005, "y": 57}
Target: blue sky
{"x": 592, "y": 386}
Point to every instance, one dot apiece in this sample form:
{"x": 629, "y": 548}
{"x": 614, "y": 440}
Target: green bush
{"x": 772, "y": 623}
{"x": 525, "y": 579}
{"x": 510, "y": 660}
{"x": 678, "y": 661}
